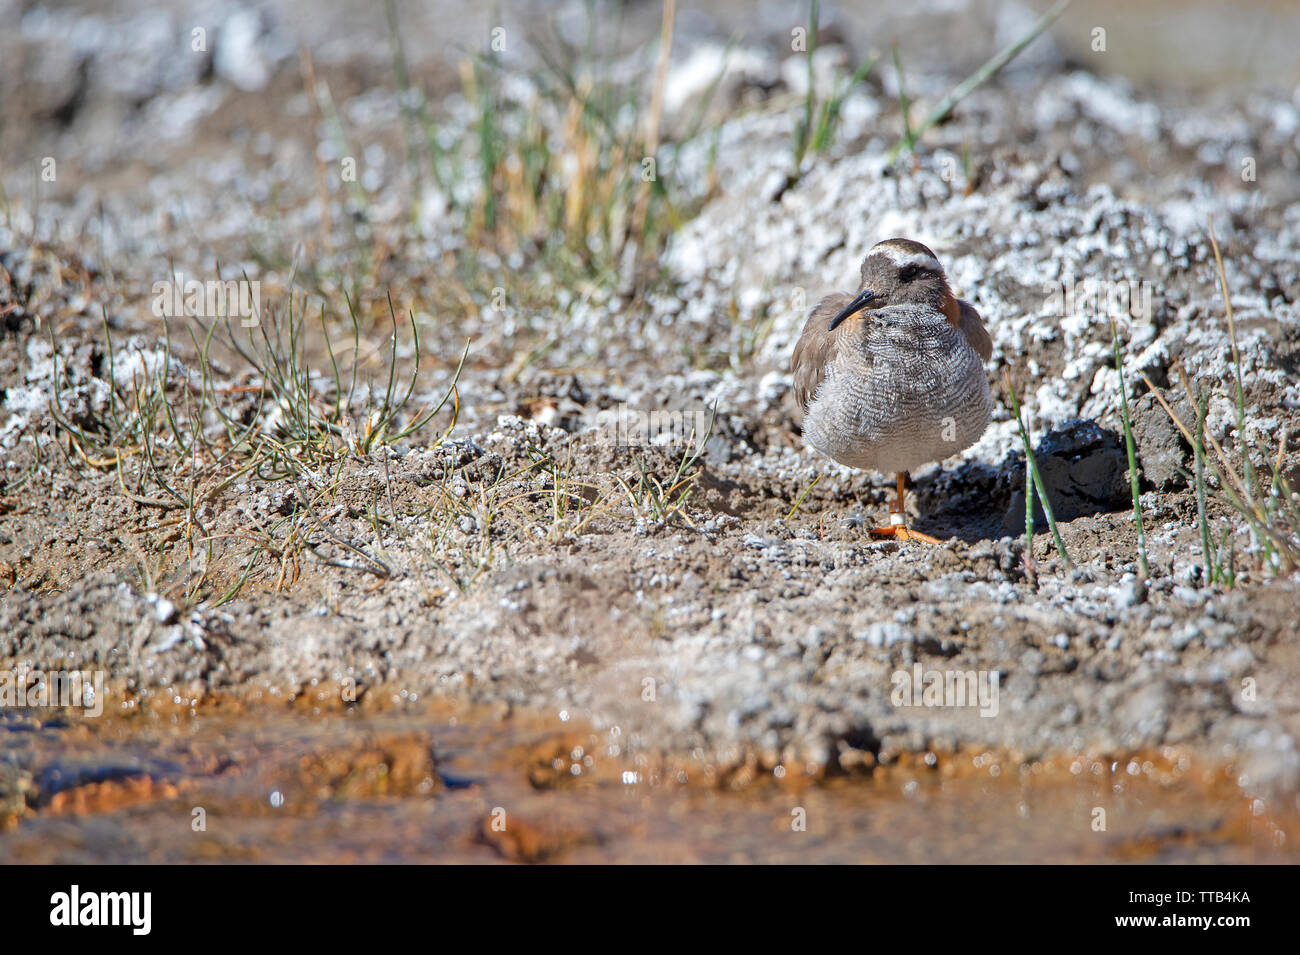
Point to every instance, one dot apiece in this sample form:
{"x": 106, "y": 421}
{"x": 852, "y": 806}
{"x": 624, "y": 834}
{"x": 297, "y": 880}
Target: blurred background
{"x": 633, "y": 205}
{"x": 221, "y": 120}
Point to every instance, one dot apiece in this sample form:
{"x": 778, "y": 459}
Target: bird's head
{"x": 900, "y": 272}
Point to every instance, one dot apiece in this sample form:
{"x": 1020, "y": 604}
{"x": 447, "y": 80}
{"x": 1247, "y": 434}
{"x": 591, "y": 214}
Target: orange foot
{"x": 903, "y": 533}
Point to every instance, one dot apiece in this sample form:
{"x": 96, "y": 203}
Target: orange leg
{"x": 898, "y": 528}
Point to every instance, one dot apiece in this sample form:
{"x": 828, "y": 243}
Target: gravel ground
{"x": 757, "y": 626}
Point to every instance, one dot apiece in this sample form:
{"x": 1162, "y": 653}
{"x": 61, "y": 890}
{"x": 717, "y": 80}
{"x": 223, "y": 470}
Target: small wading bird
{"x": 893, "y": 377}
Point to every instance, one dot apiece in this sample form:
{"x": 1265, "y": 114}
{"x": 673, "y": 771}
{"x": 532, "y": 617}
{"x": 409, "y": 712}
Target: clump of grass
{"x": 540, "y": 501}
{"x": 815, "y": 130}
{"x": 1271, "y": 516}
{"x": 573, "y": 504}
{"x": 570, "y": 179}
{"x": 659, "y": 501}
{"x": 908, "y": 140}
{"x": 1273, "y": 520}
{"x": 912, "y": 134}
{"x": 1036, "y": 484}
{"x": 484, "y": 506}
{"x": 1133, "y": 473}
{"x": 178, "y": 438}
{"x": 314, "y": 429}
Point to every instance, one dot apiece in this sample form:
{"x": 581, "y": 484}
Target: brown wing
{"x": 812, "y": 353}
{"x": 972, "y": 326}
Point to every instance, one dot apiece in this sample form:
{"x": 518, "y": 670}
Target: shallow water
{"x": 272, "y": 784}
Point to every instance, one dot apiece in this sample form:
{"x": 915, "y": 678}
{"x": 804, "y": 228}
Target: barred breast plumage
{"x": 902, "y": 388}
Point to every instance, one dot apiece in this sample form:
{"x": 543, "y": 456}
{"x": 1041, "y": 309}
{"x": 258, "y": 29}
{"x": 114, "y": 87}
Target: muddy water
{"x": 455, "y": 785}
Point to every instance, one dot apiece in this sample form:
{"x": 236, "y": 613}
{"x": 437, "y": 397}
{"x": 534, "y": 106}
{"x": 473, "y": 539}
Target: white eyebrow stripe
{"x": 903, "y": 259}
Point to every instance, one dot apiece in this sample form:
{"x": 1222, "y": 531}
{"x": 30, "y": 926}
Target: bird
{"x": 892, "y": 377}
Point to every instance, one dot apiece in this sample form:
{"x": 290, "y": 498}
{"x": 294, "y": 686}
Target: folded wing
{"x": 813, "y": 351}
{"x": 972, "y": 327}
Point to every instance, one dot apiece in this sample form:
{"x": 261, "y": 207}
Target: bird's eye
{"x": 909, "y": 273}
